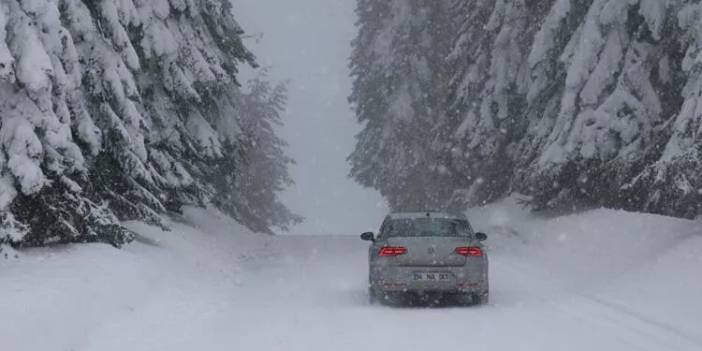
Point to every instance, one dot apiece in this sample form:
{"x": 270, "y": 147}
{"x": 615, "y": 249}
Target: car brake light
{"x": 392, "y": 251}
{"x": 469, "y": 251}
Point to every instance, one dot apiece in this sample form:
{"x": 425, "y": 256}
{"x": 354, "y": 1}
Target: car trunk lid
{"x": 429, "y": 251}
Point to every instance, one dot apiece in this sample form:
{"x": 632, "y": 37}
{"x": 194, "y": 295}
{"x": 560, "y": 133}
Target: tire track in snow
{"x": 548, "y": 299}
{"x": 642, "y": 332}
{"x": 645, "y": 319}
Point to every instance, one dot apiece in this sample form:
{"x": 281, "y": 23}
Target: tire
{"x": 482, "y": 299}
{"x": 473, "y": 299}
{"x": 467, "y": 299}
{"x": 372, "y": 297}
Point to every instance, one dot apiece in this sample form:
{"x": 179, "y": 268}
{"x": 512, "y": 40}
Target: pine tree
{"x": 616, "y": 97}
{"x": 113, "y": 110}
{"x": 574, "y": 102}
{"x": 251, "y": 177}
{"x": 487, "y": 95}
{"x": 672, "y": 184}
{"x": 44, "y": 171}
{"x": 398, "y": 93}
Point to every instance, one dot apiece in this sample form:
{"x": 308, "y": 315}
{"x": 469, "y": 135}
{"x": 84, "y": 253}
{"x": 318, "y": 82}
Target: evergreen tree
{"x": 575, "y": 102}
{"x": 487, "y": 95}
{"x": 672, "y": 183}
{"x": 251, "y": 177}
{"x": 611, "y": 104}
{"x": 113, "y": 110}
{"x": 398, "y": 93}
{"x": 43, "y": 129}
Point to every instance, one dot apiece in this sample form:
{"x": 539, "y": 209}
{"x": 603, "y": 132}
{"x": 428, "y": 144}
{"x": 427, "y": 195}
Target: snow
{"x": 654, "y": 11}
{"x": 544, "y": 42}
{"x": 602, "y": 76}
{"x": 7, "y": 192}
{"x": 6, "y": 59}
{"x": 687, "y": 124}
{"x": 24, "y": 148}
{"x": 34, "y": 67}
{"x": 601, "y": 279}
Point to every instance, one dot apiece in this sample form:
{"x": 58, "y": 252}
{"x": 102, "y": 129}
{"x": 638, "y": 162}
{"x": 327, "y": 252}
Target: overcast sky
{"x": 308, "y": 43}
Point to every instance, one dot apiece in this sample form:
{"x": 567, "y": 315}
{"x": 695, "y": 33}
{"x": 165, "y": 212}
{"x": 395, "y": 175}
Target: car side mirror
{"x": 368, "y": 236}
{"x": 481, "y": 236}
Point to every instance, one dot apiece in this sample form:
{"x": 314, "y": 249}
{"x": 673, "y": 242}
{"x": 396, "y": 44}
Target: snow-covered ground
{"x": 599, "y": 280}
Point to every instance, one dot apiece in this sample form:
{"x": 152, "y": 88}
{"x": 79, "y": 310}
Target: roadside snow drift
{"x": 603, "y": 279}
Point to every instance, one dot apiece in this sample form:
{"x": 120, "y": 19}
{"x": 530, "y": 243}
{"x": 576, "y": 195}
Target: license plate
{"x": 431, "y": 276}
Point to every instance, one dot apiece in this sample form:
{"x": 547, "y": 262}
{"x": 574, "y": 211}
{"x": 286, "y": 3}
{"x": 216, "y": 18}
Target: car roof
{"x": 425, "y": 214}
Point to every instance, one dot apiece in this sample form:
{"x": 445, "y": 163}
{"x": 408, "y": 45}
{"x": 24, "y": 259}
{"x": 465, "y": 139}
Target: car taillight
{"x": 469, "y": 251}
{"x": 392, "y": 251}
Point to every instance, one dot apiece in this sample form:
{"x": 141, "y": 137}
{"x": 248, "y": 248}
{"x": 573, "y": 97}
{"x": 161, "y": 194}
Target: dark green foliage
{"x": 57, "y": 215}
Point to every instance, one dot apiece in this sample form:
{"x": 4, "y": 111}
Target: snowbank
{"x": 594, "y": 245}
{"x": 56, "y": 298}
{"x": 643, "y": 264}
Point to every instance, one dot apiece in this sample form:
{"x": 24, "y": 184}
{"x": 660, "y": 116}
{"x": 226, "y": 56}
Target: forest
{"x": 131, "y": 109}
{"x": 574, "y": 103}
{"x": 308, "y": 175}
{"x": 128, "y": 110}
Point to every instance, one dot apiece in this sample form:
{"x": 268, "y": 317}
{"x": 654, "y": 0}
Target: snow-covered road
{"x": 308, "y": 293}
{"x": 314, "y": 298}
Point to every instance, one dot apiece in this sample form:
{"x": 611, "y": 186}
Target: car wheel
{"x": 372, "y": 297}
{"x": 467, "y": 299}
{"x": 393, "y": 298}
{"x": 482, "y": 299}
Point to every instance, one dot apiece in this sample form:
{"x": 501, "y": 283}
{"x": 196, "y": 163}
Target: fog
{"x": 307, "y": 42}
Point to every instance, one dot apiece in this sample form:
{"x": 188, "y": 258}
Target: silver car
{"x": 427, "y": 254}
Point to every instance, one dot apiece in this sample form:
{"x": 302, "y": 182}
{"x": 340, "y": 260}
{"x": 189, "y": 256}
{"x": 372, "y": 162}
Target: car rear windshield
{"x": 427, "y": 227}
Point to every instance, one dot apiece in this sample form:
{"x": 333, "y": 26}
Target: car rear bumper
{"x": 388, "y": 279}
